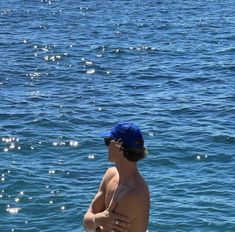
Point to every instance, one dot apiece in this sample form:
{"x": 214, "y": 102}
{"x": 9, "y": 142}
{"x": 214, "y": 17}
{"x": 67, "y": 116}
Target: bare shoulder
{"x": 111, "y": 171}
{"x": 109, "y": 174}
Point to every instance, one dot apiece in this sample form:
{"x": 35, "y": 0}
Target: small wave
{"x": 183, "y": 111}
{"x": 226, "y": 51}
{"x": 142, "y": 48}
{"x": 36, "y": 75}
{"x": 221, "y": 158}
{"x": 124, "y": 50}
{"x": 4, "y": 116}
{"x": 55, "y": 57}
{"x": 223, "y": 139}
{"x": 201, "y": 79}
{"x": 91, "y": 68}
{"x": 6, "y": 12}
{"x": 166, "y": 162}
{"x": 229, "y": 67}
{"x": 169, "y": 161}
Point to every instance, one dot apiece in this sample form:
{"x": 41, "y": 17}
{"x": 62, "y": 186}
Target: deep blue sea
{"x": 70, "y": 69}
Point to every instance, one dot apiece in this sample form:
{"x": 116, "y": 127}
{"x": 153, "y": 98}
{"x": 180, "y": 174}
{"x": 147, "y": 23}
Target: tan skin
{"x": 122, "y": 202}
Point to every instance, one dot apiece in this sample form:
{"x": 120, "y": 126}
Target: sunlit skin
{"x": 122, "y": 201}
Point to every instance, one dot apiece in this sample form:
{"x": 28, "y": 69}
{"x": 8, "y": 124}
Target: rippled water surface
{"x": 69, "y": 69}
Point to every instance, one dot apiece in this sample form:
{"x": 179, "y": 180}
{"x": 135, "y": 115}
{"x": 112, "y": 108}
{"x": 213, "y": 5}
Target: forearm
{"x": 89, "y": 222}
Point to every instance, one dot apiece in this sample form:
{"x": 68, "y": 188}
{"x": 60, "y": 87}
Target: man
{"x": 122, "y": 202}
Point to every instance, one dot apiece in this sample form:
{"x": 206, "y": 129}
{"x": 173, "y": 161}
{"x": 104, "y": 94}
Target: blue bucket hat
{"x": 128, "y": 133}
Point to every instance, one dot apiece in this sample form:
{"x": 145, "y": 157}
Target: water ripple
{"x": 71, "y": 69}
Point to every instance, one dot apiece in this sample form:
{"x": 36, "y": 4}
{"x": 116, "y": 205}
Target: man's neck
{"x": 128, "y": 172}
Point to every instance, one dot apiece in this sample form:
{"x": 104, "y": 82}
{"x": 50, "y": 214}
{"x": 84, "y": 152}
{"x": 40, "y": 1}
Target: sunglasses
{"x": 107, "y": 141}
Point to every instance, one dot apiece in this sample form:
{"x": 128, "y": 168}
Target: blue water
{"x": 69, "y": 69}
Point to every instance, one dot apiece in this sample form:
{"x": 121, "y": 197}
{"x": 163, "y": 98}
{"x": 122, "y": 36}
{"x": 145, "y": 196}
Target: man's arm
{"x": 97, "y": 206}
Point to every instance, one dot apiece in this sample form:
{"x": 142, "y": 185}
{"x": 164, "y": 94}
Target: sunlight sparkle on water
{"x": 91, "y": 156}
{"x": 91, "y": 71}
{"x": 73, "y": 143}
{"x": 13, "y": 210}
{"x": 88, "y": 62}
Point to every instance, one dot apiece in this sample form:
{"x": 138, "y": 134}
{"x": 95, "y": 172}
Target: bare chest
{"x": 114, "y": 192}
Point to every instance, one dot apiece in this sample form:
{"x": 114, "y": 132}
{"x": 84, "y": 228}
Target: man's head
{"x": 131, "y": 140}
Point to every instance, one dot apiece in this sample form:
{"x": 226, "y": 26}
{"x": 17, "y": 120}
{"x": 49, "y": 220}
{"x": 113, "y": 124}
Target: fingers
{"x": 119, "y": 218}
{"x": 121, "y": 226}
{"x": 119, "y": 143}
{"x": 120, "y": 223}
{"x": 115, "y": 222}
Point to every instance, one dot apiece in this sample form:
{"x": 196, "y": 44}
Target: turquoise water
{"x": 70, "y": 69}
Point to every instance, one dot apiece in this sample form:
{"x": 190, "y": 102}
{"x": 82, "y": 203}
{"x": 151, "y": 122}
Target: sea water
{"x": 70, "y": 69}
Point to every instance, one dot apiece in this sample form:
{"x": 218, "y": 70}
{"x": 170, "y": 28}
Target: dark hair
{"x": 135, "y": 154}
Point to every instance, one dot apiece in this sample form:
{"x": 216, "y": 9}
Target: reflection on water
{"x": 74, "y": 68}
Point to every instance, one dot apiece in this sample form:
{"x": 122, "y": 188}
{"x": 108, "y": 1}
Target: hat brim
{"x": 104, "y": 134}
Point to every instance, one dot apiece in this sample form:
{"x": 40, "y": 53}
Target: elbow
{"x": 87, "y": 224}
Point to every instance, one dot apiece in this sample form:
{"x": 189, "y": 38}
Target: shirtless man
{"x": 122, "y": 202}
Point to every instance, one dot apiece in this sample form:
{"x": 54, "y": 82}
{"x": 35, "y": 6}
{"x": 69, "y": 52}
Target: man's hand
{"x": 110, "y": 221}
